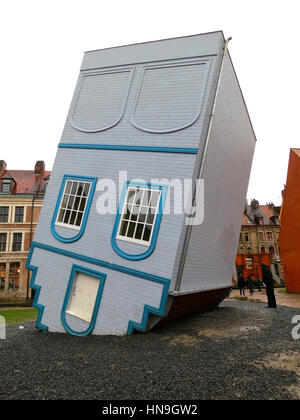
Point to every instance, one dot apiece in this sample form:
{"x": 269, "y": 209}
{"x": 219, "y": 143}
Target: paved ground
{"x": 239, "y": 351}
{"x": 291, "y": 300}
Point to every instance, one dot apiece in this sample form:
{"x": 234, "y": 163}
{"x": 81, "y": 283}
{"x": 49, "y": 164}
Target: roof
{"x": 297, "y": 151}
{"x": 27, "y": 182}
{"x": 269, "y": 211}
{"x": 246, "y": 221}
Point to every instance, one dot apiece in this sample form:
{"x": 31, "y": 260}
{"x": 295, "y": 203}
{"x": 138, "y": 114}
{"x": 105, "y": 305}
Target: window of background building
{"x": 2, "y": 275}
{"x": 14, "y": 275}
{"x": 263, "y": 250}
{"x": 260, "y": 221}
{"x": 261, "y": 236}
{"x": 17, "y": 242}
{"x": 249, "y": 262}
{"x": 19, "y": 214}
{"x": 6, "y": 186}
{"x": 247, "y": 237}
{"x": 3, "y": 240}
{"x": 272, "y": 252}
{"x": 4, "y": 213}
{"x": 269, "y": 237}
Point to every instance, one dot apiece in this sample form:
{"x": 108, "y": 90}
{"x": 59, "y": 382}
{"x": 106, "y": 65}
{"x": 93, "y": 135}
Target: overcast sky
{"x": 42, "y": 45}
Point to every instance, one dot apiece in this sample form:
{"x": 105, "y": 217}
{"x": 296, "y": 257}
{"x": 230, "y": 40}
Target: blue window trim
{"x": 142, "y": 326}
{"x": 79, "y": 234}
{"x": 185, "y": 150}
{"x": 102, "y": 277}
{"x": 37, "y": 290}
{"x": 149, "y": 251}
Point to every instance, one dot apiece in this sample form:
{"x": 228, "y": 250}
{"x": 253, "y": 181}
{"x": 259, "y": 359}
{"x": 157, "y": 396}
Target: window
{"x": 272, "y": 252}
{"x": 14, "y": 275}
{"x": 3, "y": 239}
{"x": 269, "y": 237}
{"x": 139, "y": 214}
{"x": 6, "y": 186}
{"x": 241, "y": 237}
{"x": 263, "y": 250}
{"x": 261, "y": 236}
{"x": 19, "y": 214}
{"x": 17, "y": 242}
{"x": 73, "y": 204}
{"x": 2, "y": 275}
{"x": 247, "y": 237}
{"x": 249, "y": 263}
{"x": 4, "y": 212}
{"x": 260, "y": 221}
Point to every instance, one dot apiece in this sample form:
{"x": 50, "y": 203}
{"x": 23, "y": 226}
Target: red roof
{"x": 246, "y": 221}
{"x": 269, "y": 212}
{"x": 27, "y": 182}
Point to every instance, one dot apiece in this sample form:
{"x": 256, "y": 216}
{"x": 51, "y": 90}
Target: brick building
{"x": 259, "y": 241}
{"x": 21, "y": 199}
{"x": 290, "y": 233}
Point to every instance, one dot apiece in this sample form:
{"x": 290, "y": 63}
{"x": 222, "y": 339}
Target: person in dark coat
{"x": 241, "y": 284}
{"x": 250, "y": 285}
{"x": 268, "y": 283}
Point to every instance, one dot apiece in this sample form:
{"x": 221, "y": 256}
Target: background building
{"x": 259, "y": 241}
{"x": 290, "y": 232}
{"x": 21, "y": 199}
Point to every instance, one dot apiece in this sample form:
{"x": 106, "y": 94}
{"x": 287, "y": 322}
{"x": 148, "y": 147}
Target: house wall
{"x": 226, "y": 170}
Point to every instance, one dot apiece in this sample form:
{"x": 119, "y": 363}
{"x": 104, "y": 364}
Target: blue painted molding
{"x": 101, "y": 276}
{"x": 129, "y": 70}
{"x": 149, "y": 251}
{"x": 142, "y": 326}
{"x": 132, "y": 272}
{"x": 185, "y": 150}
{"x": 79, "y": 234}
{"x": 37, "y": 290}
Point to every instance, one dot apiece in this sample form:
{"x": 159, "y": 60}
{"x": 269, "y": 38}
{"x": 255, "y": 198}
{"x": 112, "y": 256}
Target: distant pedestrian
{"x": 269, "y": 285}
{"x": 241, "y": 284}
{"x": 250, "y": 285}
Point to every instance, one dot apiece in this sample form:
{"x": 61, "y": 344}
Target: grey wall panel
{"x": 227, "y": 165}
{"x": 124, "y": 297}
{"x": 168, "y": 49}
{"x": 203, "y": 139}
{"x": 104, "y": 164}
{"x": 125, "y": 133}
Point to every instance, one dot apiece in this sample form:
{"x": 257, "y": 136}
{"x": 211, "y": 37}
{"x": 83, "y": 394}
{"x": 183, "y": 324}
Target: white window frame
{"x": 68, "y": 225}
{"x": 134, "y": 240}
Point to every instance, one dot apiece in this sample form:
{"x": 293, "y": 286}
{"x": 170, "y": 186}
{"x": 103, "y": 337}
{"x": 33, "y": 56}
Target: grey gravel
{"x": 239, "y": 351}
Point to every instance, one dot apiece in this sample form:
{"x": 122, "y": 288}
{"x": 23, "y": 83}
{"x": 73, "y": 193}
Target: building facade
{"x": 290, "y": 233}
{"x": 259, "y": 241}
{"x": 21, "y": 199}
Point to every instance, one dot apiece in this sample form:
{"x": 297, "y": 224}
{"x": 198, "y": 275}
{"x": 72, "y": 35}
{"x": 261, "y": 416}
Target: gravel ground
{"x": 239, "y": 351}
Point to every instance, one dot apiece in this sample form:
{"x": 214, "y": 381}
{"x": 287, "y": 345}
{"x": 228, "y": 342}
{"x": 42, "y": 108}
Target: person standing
{"x": 250, "y": 285}
{"x": 241, "y": 284}
{"x": 269, "y": 285}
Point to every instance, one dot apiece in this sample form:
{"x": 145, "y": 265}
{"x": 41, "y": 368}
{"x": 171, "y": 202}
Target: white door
{"x": 83, "y": 296}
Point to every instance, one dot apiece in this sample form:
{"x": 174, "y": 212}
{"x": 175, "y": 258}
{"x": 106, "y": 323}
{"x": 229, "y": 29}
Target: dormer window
{"x": 6, "y": 186}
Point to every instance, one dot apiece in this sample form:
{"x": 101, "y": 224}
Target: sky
{"x": 42, "y": 46}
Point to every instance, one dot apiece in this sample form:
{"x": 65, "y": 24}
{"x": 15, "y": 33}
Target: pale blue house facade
{"x": 157, "y": 112}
